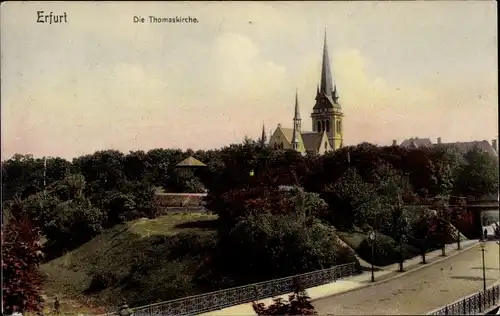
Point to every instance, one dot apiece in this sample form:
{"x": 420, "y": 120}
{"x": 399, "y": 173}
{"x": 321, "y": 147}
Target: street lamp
{"x": 372, "y": 239}
{"x": 482, "y": 243}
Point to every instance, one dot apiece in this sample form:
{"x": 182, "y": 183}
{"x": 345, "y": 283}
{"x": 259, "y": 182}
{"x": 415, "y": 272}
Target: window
{"x": 319, "y": 126}
{"x": 326, "y": 145}
{"x": 328, "y": 126}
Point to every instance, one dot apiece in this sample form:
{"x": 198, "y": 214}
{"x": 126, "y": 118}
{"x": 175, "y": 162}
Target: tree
{"x": 21, "y": 256}
{"x": 478, "y": 177}
{"x": 349, "y": 198}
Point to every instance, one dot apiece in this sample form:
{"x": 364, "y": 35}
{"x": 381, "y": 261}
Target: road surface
{"x": 420, "y": 291}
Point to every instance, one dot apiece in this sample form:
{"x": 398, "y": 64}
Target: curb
{"x": 400, "y": 274}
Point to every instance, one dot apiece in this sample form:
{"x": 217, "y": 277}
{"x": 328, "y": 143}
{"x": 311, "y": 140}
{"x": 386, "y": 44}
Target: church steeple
{"x": 296, "y": 123}
{"x": 263, "y": 137}
{"x": 327, "y": 113}
{"x": 326, "y": 74}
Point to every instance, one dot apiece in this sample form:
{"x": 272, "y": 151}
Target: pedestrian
{"x": 485, "y": 234}
{"x": 56, "y": 306}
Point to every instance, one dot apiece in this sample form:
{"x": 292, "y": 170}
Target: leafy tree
{"x": 267, "y": 246}
{"x": 348, "y": 199}
{"x": 183, "y": 181}
{"x": 479, "y": 175}
{"x": 21, "y": 256}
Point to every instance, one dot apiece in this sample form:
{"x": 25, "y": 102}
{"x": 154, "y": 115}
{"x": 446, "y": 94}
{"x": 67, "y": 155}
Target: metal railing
{"x": 475, "y": 304}
{"x": 207, "y": 302}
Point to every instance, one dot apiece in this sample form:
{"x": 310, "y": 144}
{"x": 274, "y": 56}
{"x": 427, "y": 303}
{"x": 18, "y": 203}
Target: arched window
{"x": 340, "y": 126}
{"x": 328, "y": 126}
{"x": 319, "y": 126}
{"x": 326, "y": 145}
{"x": 281, "y": 145}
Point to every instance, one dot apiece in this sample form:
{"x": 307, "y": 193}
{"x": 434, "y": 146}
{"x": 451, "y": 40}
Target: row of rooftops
{"x": 463, "y": 146}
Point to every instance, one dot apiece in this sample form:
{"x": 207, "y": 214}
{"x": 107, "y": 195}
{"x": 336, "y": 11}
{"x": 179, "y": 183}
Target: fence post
{"x": 446, "y": 310}
{"x": 464, "y": 303}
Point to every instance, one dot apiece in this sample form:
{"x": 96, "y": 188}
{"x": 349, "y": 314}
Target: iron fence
{"x": 203, "y": 303}
{"x": 478, "y": 303}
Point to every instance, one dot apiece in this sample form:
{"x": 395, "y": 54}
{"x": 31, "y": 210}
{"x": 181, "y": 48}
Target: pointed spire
{"x": 326, "y": 75}
{"x": 297, "y": 111}
{"x": 263, "y": 138}
{"x": 296, "y": 123}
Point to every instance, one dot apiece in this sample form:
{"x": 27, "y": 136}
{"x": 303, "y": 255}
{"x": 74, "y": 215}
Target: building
{"x": 462, "y": 146}
{"x": 326, "y": 116}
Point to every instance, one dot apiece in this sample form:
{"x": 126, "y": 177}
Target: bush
{"x": 268, "y": 246}
{"x": 299, "y": 303}
{"x": 102, "y": 280}
{"x": 387, "y": 251}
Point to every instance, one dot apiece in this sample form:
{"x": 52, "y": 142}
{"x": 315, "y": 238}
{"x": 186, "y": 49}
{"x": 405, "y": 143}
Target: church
{"x": 326, "y": 134}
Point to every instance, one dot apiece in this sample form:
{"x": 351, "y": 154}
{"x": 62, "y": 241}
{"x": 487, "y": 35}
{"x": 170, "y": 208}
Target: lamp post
{"x": 372, "y": 239}
{"x": 482, "y": 243}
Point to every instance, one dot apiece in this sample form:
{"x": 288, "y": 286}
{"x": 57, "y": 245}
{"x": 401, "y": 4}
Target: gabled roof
{"x": 416, "y": 142}
{"x": 466, "y": 146}
{"x": 190, "y": 162}
{"x": 287, "y": 132}
{"x": 312, "y": 140}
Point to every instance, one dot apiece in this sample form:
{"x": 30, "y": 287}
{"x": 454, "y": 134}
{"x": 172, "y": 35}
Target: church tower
{"x": 327, "y": 114}
{"x": 297, "y": 122}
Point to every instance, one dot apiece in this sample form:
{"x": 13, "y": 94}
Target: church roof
{"x": 190, "y": 162}
{"x": 312, "y": 140}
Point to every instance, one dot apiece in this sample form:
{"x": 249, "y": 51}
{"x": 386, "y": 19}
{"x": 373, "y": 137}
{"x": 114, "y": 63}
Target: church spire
{"x": 263, "y": 138}
{"x": 326, "y": 75}
{"x": 296, "y": 123}
{"x": 297, "y": 111}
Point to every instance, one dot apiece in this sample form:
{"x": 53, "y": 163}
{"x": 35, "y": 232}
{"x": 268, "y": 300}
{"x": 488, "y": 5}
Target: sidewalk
{"x": 359, "y": 281}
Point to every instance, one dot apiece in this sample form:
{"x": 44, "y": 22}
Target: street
{"x": 420, "y": 291}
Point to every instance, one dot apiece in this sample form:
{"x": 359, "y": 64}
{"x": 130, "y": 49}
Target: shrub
{"x": 102, "y": 280}
{"x": 21, "y": 256}
{"x": 299, "y": 303}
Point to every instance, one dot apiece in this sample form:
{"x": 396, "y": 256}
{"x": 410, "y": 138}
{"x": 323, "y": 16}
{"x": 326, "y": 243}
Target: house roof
{"x": 190, "y": 162}
{"x": 416, "y": 142}
{"x": 466, "y": 146}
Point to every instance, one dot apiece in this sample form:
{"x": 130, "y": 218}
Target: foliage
{"x": 21, "y": 255}
{"x": 479, "y": 175}
{"x": 386, "y": 250}
{"x": 299, "y": 303}
{"x": 268, "y": 245}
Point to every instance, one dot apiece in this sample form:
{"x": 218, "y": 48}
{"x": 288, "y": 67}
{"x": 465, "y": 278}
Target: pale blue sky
{"x": 403, "y": 69}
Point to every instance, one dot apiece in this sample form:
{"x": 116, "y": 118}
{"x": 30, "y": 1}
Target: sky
{"x": 101, "y": 81}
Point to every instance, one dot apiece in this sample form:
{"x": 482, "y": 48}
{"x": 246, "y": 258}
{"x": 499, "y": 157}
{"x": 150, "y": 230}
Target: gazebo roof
{"x": 190, "y": 162}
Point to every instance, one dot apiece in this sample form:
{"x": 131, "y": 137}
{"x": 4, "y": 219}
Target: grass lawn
{"x": 116, "y": 251}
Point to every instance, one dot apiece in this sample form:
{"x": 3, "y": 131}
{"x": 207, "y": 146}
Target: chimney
{"x": 494, "y": 145}
{"x": 439, "y": 140}
{"x": 394, "y": 142}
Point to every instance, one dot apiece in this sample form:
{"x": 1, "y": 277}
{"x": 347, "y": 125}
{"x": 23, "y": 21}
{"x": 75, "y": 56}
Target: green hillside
{"x": 141, "y": 261}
